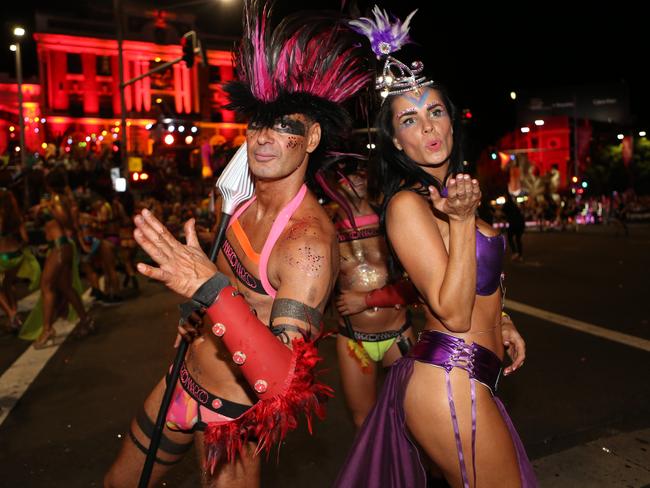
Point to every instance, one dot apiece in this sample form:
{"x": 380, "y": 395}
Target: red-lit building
{"x": 77, "y": 98}
{"x": 546, "y": 147}
{"x": 9, "y": 115}
{"x": 554, "y": 133}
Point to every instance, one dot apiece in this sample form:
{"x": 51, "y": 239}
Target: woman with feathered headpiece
{"x": 439, "y": 400}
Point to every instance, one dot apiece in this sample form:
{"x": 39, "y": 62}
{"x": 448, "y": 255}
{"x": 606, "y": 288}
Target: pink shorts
{"x": 192, "y": 406}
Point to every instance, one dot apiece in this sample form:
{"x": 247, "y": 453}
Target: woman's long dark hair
{"x": 395, "y": 170}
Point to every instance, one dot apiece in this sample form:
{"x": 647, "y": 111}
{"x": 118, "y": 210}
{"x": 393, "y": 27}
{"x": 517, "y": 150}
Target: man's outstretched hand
{"x": 183, "y": 268}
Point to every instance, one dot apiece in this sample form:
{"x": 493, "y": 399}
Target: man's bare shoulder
{"x": 310, "y": 223}
{"x": 308, "y": 244}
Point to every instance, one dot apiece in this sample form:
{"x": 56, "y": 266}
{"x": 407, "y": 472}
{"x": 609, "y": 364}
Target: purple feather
{"x": 385, "y": 37}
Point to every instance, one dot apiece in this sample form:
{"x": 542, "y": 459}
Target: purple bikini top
{"x": 489, "y": 260}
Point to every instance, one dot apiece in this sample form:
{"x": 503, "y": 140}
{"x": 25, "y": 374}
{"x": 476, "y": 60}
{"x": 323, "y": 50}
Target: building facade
{"x": 76, "y": 105}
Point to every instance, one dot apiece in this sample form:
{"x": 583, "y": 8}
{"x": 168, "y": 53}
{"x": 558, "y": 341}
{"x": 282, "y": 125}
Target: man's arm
{"x": 306, "y": 275}
{"x": 307, "y": 271}
{"x": 514, "y": 343}
{"x": 397, "y": 294}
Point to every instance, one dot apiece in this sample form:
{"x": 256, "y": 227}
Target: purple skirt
{"x": 383, "y": 454}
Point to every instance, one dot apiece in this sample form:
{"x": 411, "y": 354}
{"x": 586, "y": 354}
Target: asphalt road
{"x": 576, "y": 390}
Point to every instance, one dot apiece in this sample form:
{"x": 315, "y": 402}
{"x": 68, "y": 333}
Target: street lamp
{"x": 19, "y": 32}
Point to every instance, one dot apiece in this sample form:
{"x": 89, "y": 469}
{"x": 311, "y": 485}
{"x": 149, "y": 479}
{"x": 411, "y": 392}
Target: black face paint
{"x": 283, "y": 125}
{"x": 286, "y": 125}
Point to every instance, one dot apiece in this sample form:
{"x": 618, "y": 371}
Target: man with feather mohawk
{"x": 250, "y": 376}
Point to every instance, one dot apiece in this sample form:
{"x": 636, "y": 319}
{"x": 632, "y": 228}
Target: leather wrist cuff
{"x": 205, "y": 295}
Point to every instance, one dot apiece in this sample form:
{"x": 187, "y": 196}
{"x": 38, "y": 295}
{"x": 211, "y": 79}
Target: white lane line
{"x": 17, "y": 378}
{"x": 612, "y": 335}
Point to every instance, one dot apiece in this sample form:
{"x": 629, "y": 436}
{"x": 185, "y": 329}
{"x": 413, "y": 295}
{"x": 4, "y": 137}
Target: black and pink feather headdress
{"x": 309, "y": 63}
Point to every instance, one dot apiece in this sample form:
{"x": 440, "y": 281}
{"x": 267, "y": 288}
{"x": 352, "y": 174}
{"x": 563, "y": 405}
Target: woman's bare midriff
{"x": 485, "y": 323}
{"x": 486, "y": 316}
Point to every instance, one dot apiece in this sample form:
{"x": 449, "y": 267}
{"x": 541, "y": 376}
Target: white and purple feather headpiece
{"x": 387, "y": 37}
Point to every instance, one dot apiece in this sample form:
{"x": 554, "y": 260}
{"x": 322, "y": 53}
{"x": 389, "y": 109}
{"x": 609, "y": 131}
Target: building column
{"x": 227, "y": 74}
{"x": 187, "y": 90}
{"x": 89, "y": 84}
{"x": 115, "y": 73}
{"x": 128, "y": 99}
{"x": 146, "y": 87}
{"x": 137, "y": 86}
{"x": 178, "y": 89}
{"x": 59, "y": 69}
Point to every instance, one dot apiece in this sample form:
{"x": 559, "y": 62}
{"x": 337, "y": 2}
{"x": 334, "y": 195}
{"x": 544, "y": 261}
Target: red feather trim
{"x": 269, "y": 421}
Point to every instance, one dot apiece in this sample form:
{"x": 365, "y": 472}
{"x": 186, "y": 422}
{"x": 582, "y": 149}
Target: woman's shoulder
{"x": 407, "y": 198}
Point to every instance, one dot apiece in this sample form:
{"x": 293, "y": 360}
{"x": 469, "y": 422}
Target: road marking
{"x": 612, "y": 335}
{"x": 22, "y": 373}
{"x": 618, "y": 460}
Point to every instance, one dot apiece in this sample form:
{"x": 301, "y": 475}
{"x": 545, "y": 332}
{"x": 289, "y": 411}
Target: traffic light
{"x": 187, "y": 43}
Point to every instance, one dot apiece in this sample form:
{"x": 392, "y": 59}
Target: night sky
{"x": 480, "y": 52}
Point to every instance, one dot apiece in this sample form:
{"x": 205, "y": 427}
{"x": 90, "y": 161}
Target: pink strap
{"x": 361, "y": 221}
{"x": 278, "y": 226}
{"x": 241, "y": 209}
